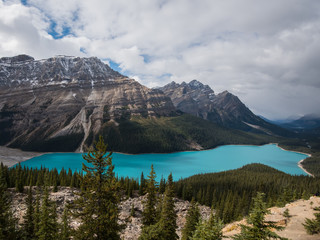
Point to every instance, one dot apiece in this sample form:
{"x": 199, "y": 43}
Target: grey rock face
{"x": 70, "y": 97}
{"x": 224, "y": 108}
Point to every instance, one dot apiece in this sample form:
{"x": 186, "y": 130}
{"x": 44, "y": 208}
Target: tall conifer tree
{"x": 149, "y": 214}
{"x": 8, "y": 223}
{"x": 48, "y": 225}
{"x": 168, "y": 218}
{"x": 97, "y": 205}
{"x": 65, "y": 229}
{"x": 28, "y": 225}
{"x": 192, "y": 219}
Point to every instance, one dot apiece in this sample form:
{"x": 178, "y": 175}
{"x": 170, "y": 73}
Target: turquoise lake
{"x": 182, "y": 164}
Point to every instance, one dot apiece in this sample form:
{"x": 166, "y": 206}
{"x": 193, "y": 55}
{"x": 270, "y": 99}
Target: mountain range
{"x": 224, "y": 108}
{"x": 63, "y": 103}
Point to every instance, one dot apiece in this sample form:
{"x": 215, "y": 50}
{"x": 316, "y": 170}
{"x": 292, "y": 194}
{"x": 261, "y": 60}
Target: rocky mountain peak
{"x": 195, "y": 83}
{"x": 24, "y": 72}
{"x": 67, "y": 97}
{"x": 16, "y": 59}
{"x": 224, "y": 108}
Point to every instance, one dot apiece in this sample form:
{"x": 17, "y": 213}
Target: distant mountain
{"x": 224, "y": 108}
{"x": 307, "y": 122}
{"x": 63, "y": 103}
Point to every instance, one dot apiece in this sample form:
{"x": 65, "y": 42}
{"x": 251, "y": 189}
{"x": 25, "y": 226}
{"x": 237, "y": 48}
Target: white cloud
{"x": 266, "y": 52}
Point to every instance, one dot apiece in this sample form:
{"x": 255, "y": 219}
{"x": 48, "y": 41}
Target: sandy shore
{"x": 301, "y": 161}
{"x": 11, "y": 156}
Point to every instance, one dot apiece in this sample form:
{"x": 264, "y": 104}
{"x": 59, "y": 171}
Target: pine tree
{"x": 312, "y": 226}
{"x": 97, "y": 205}
{"x": 65, "y": 229}
{"x": 142, "y": 184}
{"x": 287, "y": 215}
{"x": 132, "y": 211}
{"x": 19, "y": 181}
{"x": 149, "y": 215}
{"x": 36, "y": 214}
{"x": 151, "y": 232}
{"x": 48, "y": 225}
{"x": 209, "y": 230}
{"x": 259, "y": 228}
{"x": 162, "y": 186}
{"x": 192, "y": 219}
{"x": 28, "y": 224}
{"x": 8, "y": 223}
{"x": 168, "y": 218}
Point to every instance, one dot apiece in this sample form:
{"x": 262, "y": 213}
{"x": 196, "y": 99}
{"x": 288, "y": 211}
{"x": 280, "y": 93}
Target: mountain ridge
{"x": 63, "y": 103}
{"x": 224, "y": 108}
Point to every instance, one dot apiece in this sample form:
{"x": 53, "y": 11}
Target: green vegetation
{"x": 259, "y": 229}
{"x": 149, "y": 215}
{"x": 192, "y": 219}
{"x": 230, "y": 192}
{"x": 8, "y": 224}
{"x": 311, "y": 164}
{"x": 160, "y": 223}
{"x": 97, "y": 205}
{"x": 169, "y": 134}
{"x": 312, "y": 226}
{"x": 209, "y": 230}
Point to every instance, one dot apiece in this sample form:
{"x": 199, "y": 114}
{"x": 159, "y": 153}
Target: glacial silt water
{"x": 182, "y": 164}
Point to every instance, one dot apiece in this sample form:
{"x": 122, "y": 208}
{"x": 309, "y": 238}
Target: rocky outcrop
{"x": 61, "y": 101}
{"x": 293, "y": 227}
{"x": 133, "y": 224}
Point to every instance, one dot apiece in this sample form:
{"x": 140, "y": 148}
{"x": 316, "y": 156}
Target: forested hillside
{"x": 230, "y": 192}
{"x": 169, "y": 134}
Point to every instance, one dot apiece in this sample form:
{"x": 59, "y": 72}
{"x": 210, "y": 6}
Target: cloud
{"x": 266, "y": 52}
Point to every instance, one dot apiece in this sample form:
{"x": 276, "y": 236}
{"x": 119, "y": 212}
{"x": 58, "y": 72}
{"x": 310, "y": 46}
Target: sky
{"x": 265, "y": 52}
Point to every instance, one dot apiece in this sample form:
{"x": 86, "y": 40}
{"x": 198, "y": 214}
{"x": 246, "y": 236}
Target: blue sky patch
{"x": 146, "y": 58}
{"x": 52, "y": 31}
{"x": 115, "y": 66}
{"x": 24, "y": 2}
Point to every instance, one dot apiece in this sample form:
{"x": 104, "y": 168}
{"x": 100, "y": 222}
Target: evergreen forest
{"x": 232, "y": 195}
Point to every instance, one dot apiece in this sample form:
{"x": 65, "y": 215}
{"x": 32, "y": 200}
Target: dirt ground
{"x": 11, "y": 156}
{"x": 294, "y": 230}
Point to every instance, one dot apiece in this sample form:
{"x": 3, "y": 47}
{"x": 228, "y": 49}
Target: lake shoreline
{"x": 11, "y": 156}
{"x": 301, "y": 161}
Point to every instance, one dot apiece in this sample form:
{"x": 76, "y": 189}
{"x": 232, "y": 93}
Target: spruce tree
{"x": 168, "y": 218}
{"x": 36, "y": 214}
{"x": 19, "y": 181}
{"x": 142, "y": 184}
{"x": 149, "y": 215}
{"x": 48, "y": 225}
{"x": 8, "y": 223}
{"x": 28, "y": 224}
{"x": 287, "y": 215}
{"x": 162, "y": 185}
{"x": 312, "y": 226}
{"x": 209, "y": 230}
{"x": 97, "y": 205}
{"x": 65, "y": 229}
{"x": 192, "y": 219}
{"x": 151, "y": 232}
{"x": 258, "y": 228}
